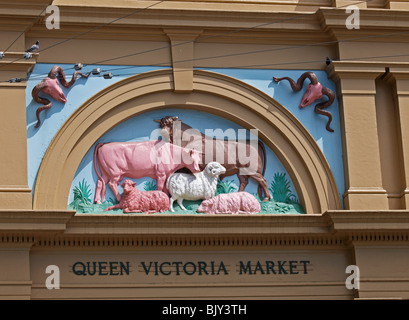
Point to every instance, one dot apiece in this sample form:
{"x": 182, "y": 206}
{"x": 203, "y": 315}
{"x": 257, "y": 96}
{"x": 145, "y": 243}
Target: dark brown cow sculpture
{"x": 179, "y": 133}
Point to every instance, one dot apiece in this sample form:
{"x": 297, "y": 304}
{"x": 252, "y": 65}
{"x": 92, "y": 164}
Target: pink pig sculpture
{"x": 134, "y": 200}
{"x": 231, "y": 203}
{"x": 51, "y": 87}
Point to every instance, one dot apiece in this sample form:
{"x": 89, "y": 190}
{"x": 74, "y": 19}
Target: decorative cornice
{"x": 317, "y": 20}
{"x": 175, "y": 242}
{"x": 210, "y": 5}
{"x": 14, "y": 61}
{"x": 264, "y": 25}
{"x": 370, "y": 19}
{"x": 369, "y": 221}
{"x": 333, "y": 228}
{"x": 227, "y": 225}
{"x": 33, "y": 221}
{"x": 355, "y": 69}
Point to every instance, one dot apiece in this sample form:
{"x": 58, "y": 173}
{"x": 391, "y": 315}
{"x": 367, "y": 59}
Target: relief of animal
{"x": 202, "y": 185}
{"x": 231, "y": 203}
{"x": 50, "y": 86}
{"x": 134, "y": 200}
{"x": 173, "y": 129}
{"x": 315, "y": 91}
{"x": 155, "y": 159}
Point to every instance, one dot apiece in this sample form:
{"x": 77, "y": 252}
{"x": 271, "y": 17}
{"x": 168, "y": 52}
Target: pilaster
{"x": 19, "y": 231}
{"x": 400, "y": 74}
{"x": 14, "y": 190}
{"x": 379, "y": 246}
{"x": 356, "y": 82}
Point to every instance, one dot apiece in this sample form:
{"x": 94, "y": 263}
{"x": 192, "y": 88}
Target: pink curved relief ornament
{"x": 51, "y": 87}
{"x": 231, "y": 203}
{"x": 134, "y": 200}
{"x": 315, "y": 91}
{"x": 155, "y": 159}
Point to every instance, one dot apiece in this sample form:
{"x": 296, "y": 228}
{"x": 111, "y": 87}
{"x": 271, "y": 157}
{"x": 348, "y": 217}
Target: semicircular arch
{"x": 213, "y": 93}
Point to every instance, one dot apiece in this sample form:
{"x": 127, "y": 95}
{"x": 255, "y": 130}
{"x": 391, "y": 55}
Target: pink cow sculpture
{"x": 134, "y": 200}
{"x": 231, "y": 203}
{"x": 155, "y": 159}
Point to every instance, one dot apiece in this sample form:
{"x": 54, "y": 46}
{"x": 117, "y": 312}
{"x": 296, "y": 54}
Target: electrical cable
{"x": 257, "y": 65}
{"x": 212, "y": 36}
{"x": 318, "y": 61}
{"x": 164, "y": 64}
{"x": 86, "y": 32}
{"x": 169, "y": 46}
{"x": 270, "y": 50}
{"x": 101, "y": 26}
{"x": 25, "y": 30}
{"x": 204, "y": 38}
{"x": 222, "y": 34}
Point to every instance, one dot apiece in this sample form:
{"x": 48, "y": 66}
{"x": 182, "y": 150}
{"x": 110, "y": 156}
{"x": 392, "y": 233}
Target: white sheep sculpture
{"x": 195, "y": 186}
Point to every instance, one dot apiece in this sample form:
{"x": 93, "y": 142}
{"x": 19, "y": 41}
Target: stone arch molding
{"x": 213, "y": 93}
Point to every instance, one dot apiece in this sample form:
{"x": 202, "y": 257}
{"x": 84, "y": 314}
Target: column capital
{"x": 13, "y": 65}
{"x": 355, "y": 69}
{"x": 178, "y": 34}
{"x": 398, "y": 74}
{"x": 14, "y": 190}
{"x": 14, "y": 61}
{"x": 399, "y": 71}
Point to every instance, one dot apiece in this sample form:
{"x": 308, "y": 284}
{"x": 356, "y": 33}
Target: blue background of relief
{"x": 39, "y": 139}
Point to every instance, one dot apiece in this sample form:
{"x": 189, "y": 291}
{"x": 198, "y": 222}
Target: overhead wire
{"x": 212, "y": 36}
{"x": 190, "y": 41}
{"x": 201, "y": 39}
{"x": 164, "y": 64}
{"x": 88, "y": 31}
{"x": 318, "y": 61}
{"x": 255, "y": 65}
{"x": 103, "y": 25}
{"x": 224, "y": 33}
{"x": 284, "y": 63}
{"x": 28, "y": 27}
{"x": 271, "y": 49}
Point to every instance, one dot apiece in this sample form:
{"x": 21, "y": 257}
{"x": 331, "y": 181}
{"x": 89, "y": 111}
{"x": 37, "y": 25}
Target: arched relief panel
{"x": 213, "y": 93}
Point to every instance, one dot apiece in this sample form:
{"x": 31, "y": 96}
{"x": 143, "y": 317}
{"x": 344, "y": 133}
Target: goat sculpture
{"x": 314, "y": 92}
{"x": 50, "y": 86}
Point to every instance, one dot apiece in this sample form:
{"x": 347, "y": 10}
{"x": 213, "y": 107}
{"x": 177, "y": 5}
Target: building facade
{"x": 336, "y": 147}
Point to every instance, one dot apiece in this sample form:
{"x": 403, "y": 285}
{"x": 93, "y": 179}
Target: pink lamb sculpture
{"x": 134, "y": 200}
{"x": 233, "y": 203}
